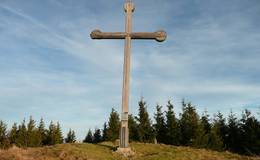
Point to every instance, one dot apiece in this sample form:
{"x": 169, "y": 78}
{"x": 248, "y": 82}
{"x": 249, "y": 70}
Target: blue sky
{"x": 50, "y": 67}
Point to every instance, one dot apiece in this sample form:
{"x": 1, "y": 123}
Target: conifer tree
{"x": 4, "y": 142}
{"x": 89, "y": 137}
{"x": 203, "y": 132}
{"x": 133, "y": 130}
{"x": 188, "y": 123}
{"x": 42, "y": 133}
{"x": 97, "y": 136}
{"x": 160, "y": 126}
{"x": 58, "y": 134}
{"x": 250, "y": 138}
{"x": 215, "y": 141}
{"x": 71, "y": 137}
{"x": 51, "y": 134}
{"x": 258, "y": 136}
{"x": 205, "y": 122}
{"x": 113, "y": 126}
{"x": 145, "y": 130}
{"x": 13, "y": 134}
{"x": 201, "y": 137}
{"x": 208, "y": 136}
{"x": 22, "y": 135}
{"x": 172, "y": 126}
{"x": 33, "y": 139}
{"x": 234, "y": 138}
{"x": 104, "y": 135}
{"x": 219, "y": 123}
{"x": 217, "y": 133}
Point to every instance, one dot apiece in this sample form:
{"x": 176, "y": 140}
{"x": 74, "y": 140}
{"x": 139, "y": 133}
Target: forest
{"x": 239, "y": 135}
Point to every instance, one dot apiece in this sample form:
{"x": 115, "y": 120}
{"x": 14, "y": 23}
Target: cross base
{"x": 126, "y": 152}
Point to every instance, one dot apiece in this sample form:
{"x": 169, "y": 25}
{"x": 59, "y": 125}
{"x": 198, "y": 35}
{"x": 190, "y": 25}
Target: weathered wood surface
{"x": 97, "y": 34}
{"x": 159, "y": 36}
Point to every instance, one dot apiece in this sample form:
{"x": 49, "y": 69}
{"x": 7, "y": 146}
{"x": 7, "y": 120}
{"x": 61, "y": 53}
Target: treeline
{"x": 240, "y": 135}
{"x": 32, "y": 135}
{"x": 188, "y": 129}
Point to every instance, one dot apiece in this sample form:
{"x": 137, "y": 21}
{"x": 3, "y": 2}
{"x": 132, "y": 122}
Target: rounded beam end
{"x": 161, "y": 36}
{"x": 129, "y": 6}
{"x": 94, "y": 34}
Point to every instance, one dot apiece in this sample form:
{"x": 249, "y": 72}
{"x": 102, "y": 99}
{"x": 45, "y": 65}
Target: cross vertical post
{"x": 124, "y": 133}
{"x": 128, "y": 35}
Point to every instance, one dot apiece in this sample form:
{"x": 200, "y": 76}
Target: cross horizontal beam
{"x": 159, "y": 36}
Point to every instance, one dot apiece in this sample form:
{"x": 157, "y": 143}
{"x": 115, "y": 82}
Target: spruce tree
{"x": 89, "y": 137}
{"x": 42, "y": 133}
{"x": 58, "y": 134}
{"x": 188, "y": 123}
{"x": 71, "y": 138}
{"x": 218, "y": 133}
{"x": 33, "y": 139}
{"x": 104, "y": 135}
{"x": 205, "y": 122}
{"x": 97, "y": 136}
{"x": 22, "y": 135}
{"x": 51, "y": 134}
{"x": 172, "y": 126}
{"x": 250, "y": 138}
{"x": 4, "y": 142}
{"x": 233, "y": 143}
{"x": 201, "y": 137}
{"x": 145, "y": 130}
{"x": 73, "y": 135}
{"x": 13, "y": 134}
{"x": 203, "y": 132}
{"x": 160, "y": 126}
{"x": 207, "y": 135}
{"x": 215, "y": 141}
{"x": 113, "y": 126}
{"x": 133, "y": 130}
{"x": 219, "y": 123}
{"x": 258, "y": 136}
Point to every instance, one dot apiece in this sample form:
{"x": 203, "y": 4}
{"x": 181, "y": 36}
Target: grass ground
{"x": 105, "y": 151}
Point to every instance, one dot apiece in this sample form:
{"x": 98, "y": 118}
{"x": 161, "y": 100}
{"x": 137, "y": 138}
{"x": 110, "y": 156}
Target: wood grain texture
{"x": 159, "y": 36}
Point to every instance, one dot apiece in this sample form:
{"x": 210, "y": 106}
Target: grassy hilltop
{"x": 105, "y": 151}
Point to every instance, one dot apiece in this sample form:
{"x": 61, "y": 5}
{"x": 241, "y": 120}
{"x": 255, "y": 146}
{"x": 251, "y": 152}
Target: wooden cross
{"x": 128, "y": 35}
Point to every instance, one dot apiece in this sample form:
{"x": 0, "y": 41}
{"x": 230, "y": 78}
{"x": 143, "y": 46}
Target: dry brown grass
{"x": 106, "y": 151}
